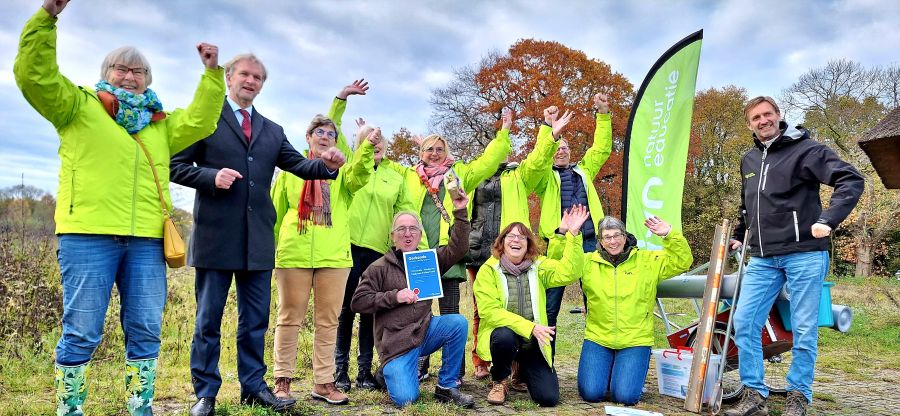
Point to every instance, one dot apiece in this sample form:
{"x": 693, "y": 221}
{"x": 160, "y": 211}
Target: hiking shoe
{"x": 795, "y": 404}
{"x": 752, "y": 404}
{"x": 497, "y": 395}
{"x": 283, "y": 388}
{"x": 329, "y": 393}
{"x": 453, "y": 396}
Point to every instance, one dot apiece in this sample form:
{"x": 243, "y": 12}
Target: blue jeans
{"x": 621, "y": 373}
{"x": 401, "y": 375}
{"x": 804, "y": 273}
{"x": 90, "y": 265}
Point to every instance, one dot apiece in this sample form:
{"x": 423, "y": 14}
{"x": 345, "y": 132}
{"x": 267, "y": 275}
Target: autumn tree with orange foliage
{"x": 530, "y": 76}
{"x": 403, "y": 149}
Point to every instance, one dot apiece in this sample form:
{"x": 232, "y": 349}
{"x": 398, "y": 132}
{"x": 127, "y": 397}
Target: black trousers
{"x": 362, "y": 258}
{"x": 254, "y": 293}
{"x": 541, "y": 379}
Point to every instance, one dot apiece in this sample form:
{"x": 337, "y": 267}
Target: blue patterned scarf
{"x": 135, "y": 110}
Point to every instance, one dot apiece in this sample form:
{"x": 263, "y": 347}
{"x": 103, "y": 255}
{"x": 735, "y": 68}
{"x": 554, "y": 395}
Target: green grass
{"x": 26, "y": 374}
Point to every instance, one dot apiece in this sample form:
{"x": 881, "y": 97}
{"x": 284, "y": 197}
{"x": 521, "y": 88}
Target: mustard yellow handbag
{"x": 173, "y": 245}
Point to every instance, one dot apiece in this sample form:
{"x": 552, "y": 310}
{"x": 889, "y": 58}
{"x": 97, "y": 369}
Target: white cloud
{"x": 406, "y": 48}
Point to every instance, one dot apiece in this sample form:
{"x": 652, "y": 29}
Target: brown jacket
{"x": 400, "y": 327}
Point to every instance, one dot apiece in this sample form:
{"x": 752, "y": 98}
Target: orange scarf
{"x": 314, "y": 205}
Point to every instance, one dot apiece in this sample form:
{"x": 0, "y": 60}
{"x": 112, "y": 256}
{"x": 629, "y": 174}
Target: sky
{"x": 406, "y": 48}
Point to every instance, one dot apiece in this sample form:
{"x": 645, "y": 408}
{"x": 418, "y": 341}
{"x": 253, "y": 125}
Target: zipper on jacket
{"x": 796, "y": 227}
{"x": 762, "y": 164}
{"x": 369, "y": 211}
{"x": 521, "y": 294}
{"x": 765, "y": 177}
{"x": 134, "y": 188}
{"x": 616, "y": 297}
{"x": 72, "y": 193}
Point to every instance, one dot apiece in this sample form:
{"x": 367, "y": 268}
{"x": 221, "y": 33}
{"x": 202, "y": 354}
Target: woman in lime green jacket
{"x": 619, "y": 283}
{"x": 371, "y": 211}
{"x": 312, "y": 253}
{"x": 108, "y": 215}
{"x": 425, "y": 183}
{"x": 510, "y": 290}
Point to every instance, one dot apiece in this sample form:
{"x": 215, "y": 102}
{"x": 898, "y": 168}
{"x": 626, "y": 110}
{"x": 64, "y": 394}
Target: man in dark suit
{"x": 233, "y": 231}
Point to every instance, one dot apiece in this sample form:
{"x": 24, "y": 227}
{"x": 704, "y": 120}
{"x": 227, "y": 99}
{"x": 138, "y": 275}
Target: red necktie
{"x": 245, "y": 125}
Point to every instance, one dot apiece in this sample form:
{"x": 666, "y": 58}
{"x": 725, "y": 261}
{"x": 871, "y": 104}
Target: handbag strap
{"x": 162, "y": 201}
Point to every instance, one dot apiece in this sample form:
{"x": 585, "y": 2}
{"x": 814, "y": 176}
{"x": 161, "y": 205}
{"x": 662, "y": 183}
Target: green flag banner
{"x": 656, "y": 141}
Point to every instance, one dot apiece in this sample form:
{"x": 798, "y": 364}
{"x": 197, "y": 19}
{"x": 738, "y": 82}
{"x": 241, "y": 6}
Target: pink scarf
{"x": 432, "y": 176}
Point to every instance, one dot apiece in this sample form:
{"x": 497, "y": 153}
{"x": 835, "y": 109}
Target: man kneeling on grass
{"x": 404, "y": 327}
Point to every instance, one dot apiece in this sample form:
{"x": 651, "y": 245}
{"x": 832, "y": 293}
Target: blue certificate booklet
{"x": 423, "y": 276}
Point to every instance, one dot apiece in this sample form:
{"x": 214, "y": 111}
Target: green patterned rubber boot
{"x": 139, "y": 378}
{"x": 71, "y": 389}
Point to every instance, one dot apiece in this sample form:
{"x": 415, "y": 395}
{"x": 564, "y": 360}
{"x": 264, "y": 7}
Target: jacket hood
{"x": 789, "y": 135}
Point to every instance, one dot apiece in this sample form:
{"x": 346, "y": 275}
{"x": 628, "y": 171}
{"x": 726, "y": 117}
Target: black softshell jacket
{"x": 780, "y": 193}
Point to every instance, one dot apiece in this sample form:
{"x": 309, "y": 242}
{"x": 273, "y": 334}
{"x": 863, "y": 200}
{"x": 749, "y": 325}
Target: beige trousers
{"x": 294, "y": 286}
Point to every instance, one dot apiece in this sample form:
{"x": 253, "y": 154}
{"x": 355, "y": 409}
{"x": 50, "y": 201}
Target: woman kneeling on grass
{"x": 620, "y": 285}
{"x": 510, "y": 292}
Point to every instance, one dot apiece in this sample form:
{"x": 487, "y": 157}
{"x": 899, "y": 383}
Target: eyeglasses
{"x": 121, "y": 70}
{"x": 403, "y": 229}
{"x": 323, "y": 133}
{"x": 616, "y": 236}
{"x": 515, "y": 237}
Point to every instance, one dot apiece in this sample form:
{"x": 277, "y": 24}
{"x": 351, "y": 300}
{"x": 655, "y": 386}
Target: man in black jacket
{"x": 233, "y": 232}
{"x": 788, "y": 245}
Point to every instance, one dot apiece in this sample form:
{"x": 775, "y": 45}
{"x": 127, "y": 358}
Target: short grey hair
{"x": 611, "y": 223}
{"x": 229, "y": 66}
{"x": 411, "y": 214}
{"x": 128, "y": 56}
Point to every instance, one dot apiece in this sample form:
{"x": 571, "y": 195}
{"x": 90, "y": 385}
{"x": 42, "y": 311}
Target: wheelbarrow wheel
{"x": 776, "y": 368}
{"x": 731, "y": 380}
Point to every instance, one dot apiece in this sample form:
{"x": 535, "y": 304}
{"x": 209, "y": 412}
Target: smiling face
{"x": 763, "y": 120}
{"x": 515, "y": 244}
{"x": 129, "y": 78}
{"x": 563, "y": 157}
{"x": 433, "y": 151}
{"x": 245, "y": 81}
{"x": 406, "y": 233}
{"x": 613, "y": 241}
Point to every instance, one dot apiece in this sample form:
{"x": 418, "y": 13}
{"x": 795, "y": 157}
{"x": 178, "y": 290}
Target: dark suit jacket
{"x": 234, "y": 228}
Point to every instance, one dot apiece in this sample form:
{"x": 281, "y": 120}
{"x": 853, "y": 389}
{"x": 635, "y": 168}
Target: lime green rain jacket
{"x": 105, "y": 182}
{"x": 621, "y": 299}
{"x": 320, "y": 246}
{"x": 516, "y": 184}
{"x": 492, "y": 294}
{"x": 587, "y": 168}
{"x": 470, "y": 175}
{"x": 373, "y": 206}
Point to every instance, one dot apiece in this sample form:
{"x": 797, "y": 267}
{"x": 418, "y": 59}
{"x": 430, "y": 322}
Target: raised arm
{"x": 339, "y": 105}
{"x": 570, "y": 268}
{"x": 36, "y": 71}
{"x": 199, "y": 119}
{"x": 359, "y": 171}
{"x": 456, "y": 249}
{"x": 675, "y": 257}
{"x": 599, "y": 151}
{"x": 473, "y": 173}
